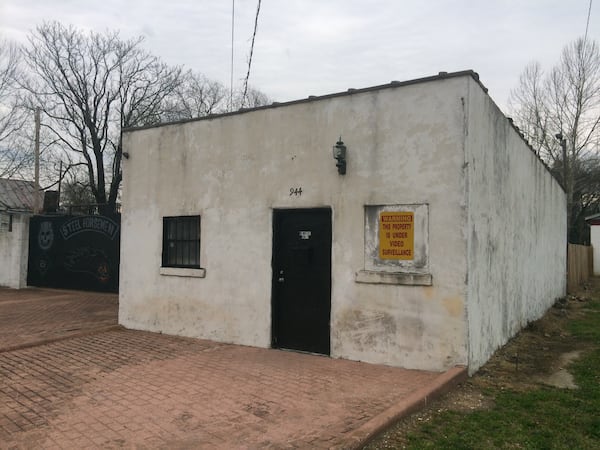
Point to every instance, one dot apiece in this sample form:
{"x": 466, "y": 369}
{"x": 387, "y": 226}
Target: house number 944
{"x": 295, "y": 191}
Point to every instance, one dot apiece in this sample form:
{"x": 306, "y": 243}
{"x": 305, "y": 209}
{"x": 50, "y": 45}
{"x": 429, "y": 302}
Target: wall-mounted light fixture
{"x": 339, "y": 154}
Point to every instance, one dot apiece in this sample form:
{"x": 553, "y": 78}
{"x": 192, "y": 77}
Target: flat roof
{"x": 393, "y": 84}
{"x": 312, "y": 98}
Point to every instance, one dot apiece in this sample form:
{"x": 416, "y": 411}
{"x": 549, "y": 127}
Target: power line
{"x": 251, "y": 52}
{"x": 587, "y": 25}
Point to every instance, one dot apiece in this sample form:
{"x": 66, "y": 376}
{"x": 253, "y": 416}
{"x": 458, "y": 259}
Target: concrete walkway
{"x": 131, "y": 389}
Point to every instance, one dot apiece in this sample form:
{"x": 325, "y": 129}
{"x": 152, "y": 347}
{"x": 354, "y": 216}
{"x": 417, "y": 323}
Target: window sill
{"x": 399, "y": 278}
{"x": 181, "y": 272}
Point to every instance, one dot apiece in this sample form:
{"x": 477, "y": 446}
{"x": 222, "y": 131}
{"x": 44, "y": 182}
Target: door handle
{"x": 281, "y": 279}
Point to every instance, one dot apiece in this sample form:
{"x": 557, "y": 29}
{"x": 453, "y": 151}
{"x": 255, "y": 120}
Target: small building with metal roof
{"x": 594, "y": 222}
{"x": 17, "y": 203}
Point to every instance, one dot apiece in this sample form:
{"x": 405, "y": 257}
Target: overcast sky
{"x": 314, "y": 47}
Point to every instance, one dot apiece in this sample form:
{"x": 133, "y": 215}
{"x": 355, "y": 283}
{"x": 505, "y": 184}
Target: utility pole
{"x": 231, "y": 74}
{"x": 565, "y": 171}
{"x": 60, "y": 176}
{"x": 565, "y": 174}
{"x": 36, "y": 208}
{"x": 563, "y": 144}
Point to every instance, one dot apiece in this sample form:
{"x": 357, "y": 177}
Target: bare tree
{"x": 252, "y": 99}
{"x": 75, "y": 190}
{"x": 197, "y": 96}
{"x": 14, "y": 142}
{"x": 90, "y": 87}
{"x": 559, "y": 113}
{"x": 586, "y": 197}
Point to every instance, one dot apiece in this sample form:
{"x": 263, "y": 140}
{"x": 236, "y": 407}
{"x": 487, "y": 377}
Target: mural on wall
{"x": 74, "y": 252}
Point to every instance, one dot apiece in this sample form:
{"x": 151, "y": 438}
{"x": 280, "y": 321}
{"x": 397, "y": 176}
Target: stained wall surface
{"x": 13, "y": 250}
{"x": 516, "y": 230}
{"x": 405, "y": 147}
{"x": 495, "y": 222}
{"x": 595, "y": 241}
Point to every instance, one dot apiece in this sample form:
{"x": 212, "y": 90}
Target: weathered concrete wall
{"x": 405, "y": 146}
{"x": 14, "y": 247}
{"x": 595, "y": 241}
{"x": 516, "y": 231}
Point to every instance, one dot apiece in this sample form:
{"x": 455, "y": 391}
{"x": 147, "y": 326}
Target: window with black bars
{"x": 181, "y": 242}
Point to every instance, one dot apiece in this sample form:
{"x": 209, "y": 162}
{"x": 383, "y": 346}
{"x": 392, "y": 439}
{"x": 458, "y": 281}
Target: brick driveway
{"x": 131, "y": 389}
{"x": 32, "y": 316}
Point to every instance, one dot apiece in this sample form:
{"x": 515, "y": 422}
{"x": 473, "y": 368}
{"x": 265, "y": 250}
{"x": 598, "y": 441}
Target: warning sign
{"x": 396, "y": 235}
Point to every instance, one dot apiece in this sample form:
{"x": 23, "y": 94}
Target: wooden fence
{"x": 579, "y": 265}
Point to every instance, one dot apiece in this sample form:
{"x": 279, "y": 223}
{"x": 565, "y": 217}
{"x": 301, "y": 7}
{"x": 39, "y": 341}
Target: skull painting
{"x": 45, "y": 236}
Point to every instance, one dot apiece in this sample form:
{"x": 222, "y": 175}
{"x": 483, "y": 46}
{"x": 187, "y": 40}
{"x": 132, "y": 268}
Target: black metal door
{"x": 302, "y": 279}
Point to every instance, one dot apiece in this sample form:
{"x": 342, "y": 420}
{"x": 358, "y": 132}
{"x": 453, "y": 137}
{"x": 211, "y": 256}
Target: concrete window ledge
{"x": 180, "y": 272}
{"x": 402, "y": 278}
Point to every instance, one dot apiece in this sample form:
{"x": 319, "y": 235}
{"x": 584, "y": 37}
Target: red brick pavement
{"x": 33, "y": 316}
{"x": 131, "y": 389}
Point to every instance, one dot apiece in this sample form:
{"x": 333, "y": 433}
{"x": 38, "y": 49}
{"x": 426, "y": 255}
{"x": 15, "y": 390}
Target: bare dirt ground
{"x": 538, "y": 355}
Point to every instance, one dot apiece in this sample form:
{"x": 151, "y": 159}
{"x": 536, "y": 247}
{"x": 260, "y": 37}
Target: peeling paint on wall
{"x": 517, "y": 219}
{"x": 368, "y": 329}
{"x": 428, "y": 147}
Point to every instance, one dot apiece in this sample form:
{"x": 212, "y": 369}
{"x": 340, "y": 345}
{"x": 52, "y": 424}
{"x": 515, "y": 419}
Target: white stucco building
{"x": 594, "y": 223}
{"x": 443, "y": 238}
{"x": 17, "y": 200}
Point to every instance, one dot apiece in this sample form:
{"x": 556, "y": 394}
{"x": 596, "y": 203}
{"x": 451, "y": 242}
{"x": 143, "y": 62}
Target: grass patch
{"x": 543, "y": 417}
